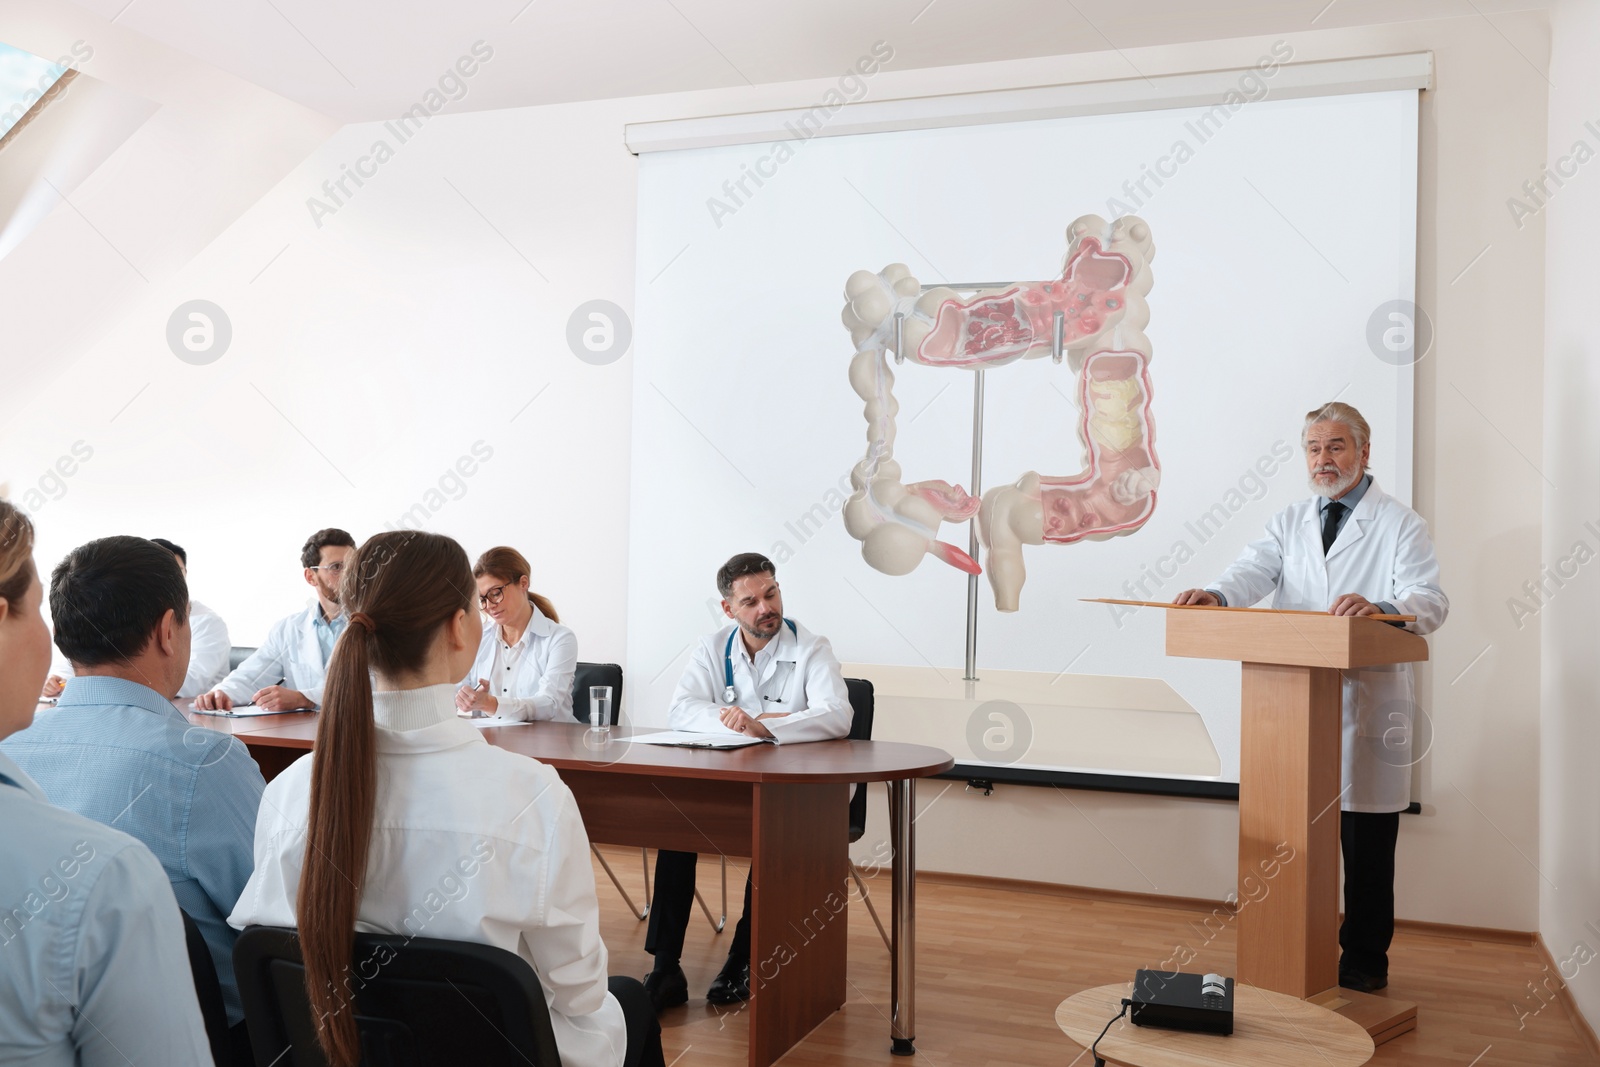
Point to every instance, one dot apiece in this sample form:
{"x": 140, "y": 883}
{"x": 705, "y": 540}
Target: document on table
{"x": 688, "y": 739}
{"x": 494, "y": 720}
{"x": 240, "y": 711}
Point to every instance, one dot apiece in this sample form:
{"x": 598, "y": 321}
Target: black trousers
{"x": 1367, "y": 840}
{"x": 644, "y": 1031}
{"x": 671, "y": 905}
{"x": 239, "y": 1051}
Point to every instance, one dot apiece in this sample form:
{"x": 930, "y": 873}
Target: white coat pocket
{"x": 1384, "y": 704}
{"x": 775, "y": 690}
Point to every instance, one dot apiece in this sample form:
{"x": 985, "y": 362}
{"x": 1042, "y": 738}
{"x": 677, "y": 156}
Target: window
{"x": 25, "y": 79}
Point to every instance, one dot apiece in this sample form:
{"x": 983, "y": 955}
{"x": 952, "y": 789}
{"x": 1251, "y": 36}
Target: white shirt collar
{"x": 414, "y": 709}
{"x": 769, "y": 651}
{"x": 415, "y": 721}
{"x": 538, "y": 626}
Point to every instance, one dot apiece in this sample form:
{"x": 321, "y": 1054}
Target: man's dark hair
{"x": 107, "y": 598}
{"x": 742, "y": 566}
{"x": 311, "y": 551}
{"x": 175, "y": 549}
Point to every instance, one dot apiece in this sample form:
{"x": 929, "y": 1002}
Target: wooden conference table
{"x": 783, "y": 806}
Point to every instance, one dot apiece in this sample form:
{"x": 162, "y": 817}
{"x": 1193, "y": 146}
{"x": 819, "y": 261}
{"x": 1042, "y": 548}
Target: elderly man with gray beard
{"x": 1352, "y": 549}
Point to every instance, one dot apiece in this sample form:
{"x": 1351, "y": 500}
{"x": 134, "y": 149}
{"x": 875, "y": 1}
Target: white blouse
{"x": 470, "y": 843}
{"x": 531, "y": 679}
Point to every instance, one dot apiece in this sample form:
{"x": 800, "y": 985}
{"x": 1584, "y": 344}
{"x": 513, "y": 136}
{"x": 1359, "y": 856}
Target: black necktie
{"x": 1330, "y": 523}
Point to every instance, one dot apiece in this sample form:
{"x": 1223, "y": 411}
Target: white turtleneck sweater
{"x": 470, "y": 843}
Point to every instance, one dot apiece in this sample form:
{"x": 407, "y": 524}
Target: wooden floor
{"x": 992, "y": 965}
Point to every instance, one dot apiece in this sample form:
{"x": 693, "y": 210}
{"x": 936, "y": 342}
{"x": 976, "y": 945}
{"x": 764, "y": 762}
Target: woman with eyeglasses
{"x": 527, "y": 659}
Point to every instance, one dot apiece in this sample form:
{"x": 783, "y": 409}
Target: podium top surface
{"x": 1289, "y": 638}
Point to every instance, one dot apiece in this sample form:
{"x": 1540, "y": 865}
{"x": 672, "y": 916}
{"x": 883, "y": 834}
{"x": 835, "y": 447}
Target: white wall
{"x": 212, "y": 145}
{"x": 369, "y": 355}
{"x": 415, "y": 322}
{"x": 1569, "y": 616}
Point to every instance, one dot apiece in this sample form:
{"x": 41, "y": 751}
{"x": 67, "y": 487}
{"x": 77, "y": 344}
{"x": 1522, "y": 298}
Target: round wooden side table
{"x": 1269, "y": 1030}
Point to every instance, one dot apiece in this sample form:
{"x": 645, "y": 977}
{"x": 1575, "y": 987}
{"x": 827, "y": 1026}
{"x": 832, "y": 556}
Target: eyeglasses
{"x": 495, "y": 594}
{"x": 331, "y": 568}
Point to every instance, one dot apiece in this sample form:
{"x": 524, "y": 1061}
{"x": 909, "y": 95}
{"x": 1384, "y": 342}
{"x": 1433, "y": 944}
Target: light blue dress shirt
{"x": 328, "y": 631}
{"x": 93, "y": 968}
{"x": 117, "y": 752}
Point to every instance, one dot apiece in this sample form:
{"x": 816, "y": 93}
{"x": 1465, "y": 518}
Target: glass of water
{"x": 599, "y": 712}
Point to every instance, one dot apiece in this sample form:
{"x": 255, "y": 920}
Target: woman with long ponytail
{"x": 384, "y": 826}
{"x": 526, "y": 658}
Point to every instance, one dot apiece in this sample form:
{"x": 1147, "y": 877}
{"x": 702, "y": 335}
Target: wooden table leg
{"x": 799, "y": 913}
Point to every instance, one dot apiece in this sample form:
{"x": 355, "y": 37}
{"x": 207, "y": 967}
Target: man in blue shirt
{"x": 115, "y": 749}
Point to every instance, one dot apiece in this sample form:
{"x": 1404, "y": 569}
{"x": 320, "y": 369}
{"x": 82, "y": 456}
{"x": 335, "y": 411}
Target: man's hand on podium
{"x": 1197, "y": 597}
{"x": 1354, "y": 604}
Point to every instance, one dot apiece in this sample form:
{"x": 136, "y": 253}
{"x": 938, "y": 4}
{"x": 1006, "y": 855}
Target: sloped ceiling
{"x": 244, "y": 90}
{"x": 359, "y": 60}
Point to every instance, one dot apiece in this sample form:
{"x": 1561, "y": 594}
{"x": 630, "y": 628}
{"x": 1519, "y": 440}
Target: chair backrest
{"x": 237, "y": 655}
{"x": 861, "y": 705}
{"x": 208, "y": 991}
{"x": 596, "y": 674}
{"x": 420, "y": 1002}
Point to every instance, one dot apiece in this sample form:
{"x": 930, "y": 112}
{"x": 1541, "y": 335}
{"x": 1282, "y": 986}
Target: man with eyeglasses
{"x": 286, "y": 672}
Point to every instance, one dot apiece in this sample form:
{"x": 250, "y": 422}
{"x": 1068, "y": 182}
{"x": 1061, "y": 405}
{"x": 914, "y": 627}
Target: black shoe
{"x": 667, "y": 988}
{"x": 732, "y": 983}
{"x": 1363, "y": 983}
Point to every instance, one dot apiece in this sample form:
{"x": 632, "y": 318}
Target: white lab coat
{"x": 208, "y": 652}
{"x": 290, "y": 652}
{"x": 795, "y": 673}
{"x": 470, "y": 843}
{"x": 539, "y": 684}
{"x": 1383, "y": 552}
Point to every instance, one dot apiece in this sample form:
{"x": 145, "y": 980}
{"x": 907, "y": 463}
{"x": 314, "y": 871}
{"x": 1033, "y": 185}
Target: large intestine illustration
{"x": 1100, "y": 300}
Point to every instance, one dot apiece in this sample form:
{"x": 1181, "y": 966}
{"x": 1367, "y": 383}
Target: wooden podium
{"x": 1289, "y": 791}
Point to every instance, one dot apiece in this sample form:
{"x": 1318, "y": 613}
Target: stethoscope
{"x": 728, "y": 692}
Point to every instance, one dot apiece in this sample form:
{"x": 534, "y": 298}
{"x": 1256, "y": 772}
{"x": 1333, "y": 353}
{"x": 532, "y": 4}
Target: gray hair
{"x": 1335, "y": 411}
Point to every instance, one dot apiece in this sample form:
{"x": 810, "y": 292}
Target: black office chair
{"x": 862, "y": 703}
{"x": 588, "y": 674}
{"x": 237, "y": 655}
{"x": 208, "y": 991}
{"x": 428, "y": 1003}
{"x": 596, "y": 674}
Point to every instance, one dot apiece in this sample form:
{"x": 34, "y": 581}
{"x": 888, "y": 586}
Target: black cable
{"x": 1094, "y": 1049}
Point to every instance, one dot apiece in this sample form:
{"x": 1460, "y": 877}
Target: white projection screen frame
{"x": 1280, "y": 236}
